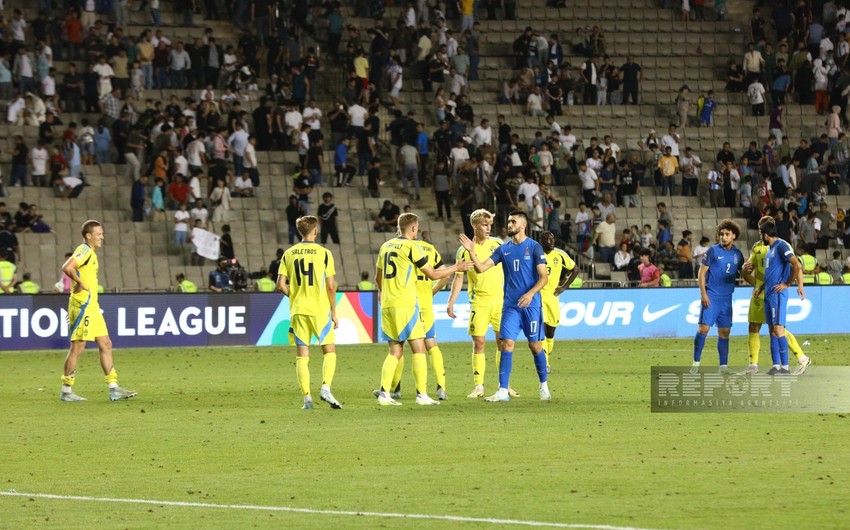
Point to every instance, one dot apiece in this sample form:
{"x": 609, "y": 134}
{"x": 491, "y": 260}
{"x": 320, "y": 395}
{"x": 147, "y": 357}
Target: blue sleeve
{"x": 497, "y": 256}
{"x": 709, "y": 257}
{"x": 785, "y": 251}
{"x": 537, "y": 254}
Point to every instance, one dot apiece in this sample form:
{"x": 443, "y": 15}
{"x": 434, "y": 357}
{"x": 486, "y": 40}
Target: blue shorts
{"x": 719, "y": 313}
{"x": 775, "y": 307}
{"x": 529, "y": 320}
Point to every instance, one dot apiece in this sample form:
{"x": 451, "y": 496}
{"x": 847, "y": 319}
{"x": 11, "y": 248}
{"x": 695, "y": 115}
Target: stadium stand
{"x": 143, "y": 255}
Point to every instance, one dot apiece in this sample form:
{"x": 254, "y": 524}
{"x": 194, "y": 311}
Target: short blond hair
{"x": 480, "y": 217}
{"x": 766, "y": 219}
{"x": 306, "y": 224}
{"x": 406, "y": 220}
{"x": 88, "y": 227}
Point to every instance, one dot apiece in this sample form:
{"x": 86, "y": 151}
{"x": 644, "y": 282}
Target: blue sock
{"x": 540, "y": 364}
{"x": 774, "y": 349}
{"x": 783, "y": 350}
{"x": 699, "y": 344}
{"x": 723, "y": 350}
{"x": 506, "y": 364}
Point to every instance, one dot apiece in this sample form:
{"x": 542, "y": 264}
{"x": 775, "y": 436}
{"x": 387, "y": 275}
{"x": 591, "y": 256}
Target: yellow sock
{"x": 436, "y": 357}
{"x": 328, "y": 368}
{"x": 420, "y": 373}
{"x": 549, "y": 346}
{"x": 753, "y": 347}
{"x": 111, "y": 377}
{"x": 479, "y": 364}
{"x": 387, "y": 371}
{"x": 794, "y": 346}
{"x": 399, "y": 371}
{"x": 302, "y": 370}
{"x": 68, "y": 380}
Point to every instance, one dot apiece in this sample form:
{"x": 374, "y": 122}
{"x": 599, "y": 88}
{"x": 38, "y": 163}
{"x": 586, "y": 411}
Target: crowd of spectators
{"x": 204, "y": 147}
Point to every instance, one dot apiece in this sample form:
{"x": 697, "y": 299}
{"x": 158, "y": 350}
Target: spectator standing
{"x": 328, "y": 213}
{"x": 181, "y": 225}
{"x": 689, "y": 165}
{"x": 756, "y": 94}
{"x": 650, "y": 276}
{"x": 39, "y": 158}
{"x": 632, "y": 75}
{"x": 138, "y": 197}
{"x": 605, "y": 236}
{"x": 408, "y": 161}
{"x": 668, "y": 167}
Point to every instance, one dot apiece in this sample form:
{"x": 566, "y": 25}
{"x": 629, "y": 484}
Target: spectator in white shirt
{"x": 483, "y": 134}
{"x": 534, "y": 107}
{"x": 671, "y": 140}
{"x": 38, "y": 161}
{"x": 358, "y": 115}
{"x": 459, "y": 154}
{"x": 312, "y": 116}
{"x": 250, "y": 161}
{"x": 199, "y": 212}
{"x": 181, "y": 165}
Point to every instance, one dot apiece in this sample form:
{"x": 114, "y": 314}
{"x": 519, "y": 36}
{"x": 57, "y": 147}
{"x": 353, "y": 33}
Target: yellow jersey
{"x": 308, "y": 266}
{"x": 487, "y": 287}
{"x": 424, "y": 286}
{"x": 757, "y": 259}
{"x": 87, "y": 266}
{"x": 557, "y": 262}
{"x": 399, "y": 261}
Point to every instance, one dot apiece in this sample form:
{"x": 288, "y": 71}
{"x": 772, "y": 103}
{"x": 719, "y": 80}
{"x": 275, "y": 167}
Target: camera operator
{"x": 220, "y": 278}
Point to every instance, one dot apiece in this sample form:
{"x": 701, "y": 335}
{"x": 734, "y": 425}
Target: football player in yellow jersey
{"x": 307, "y": 277}
{"x": 85, "y": 320}
{"x": 400, "y": 260}
{"x": 753, "y": 273}
{"x": 486, "y": 292}
{"x": 562, "y": 272}
{"x": 425, "y": 291}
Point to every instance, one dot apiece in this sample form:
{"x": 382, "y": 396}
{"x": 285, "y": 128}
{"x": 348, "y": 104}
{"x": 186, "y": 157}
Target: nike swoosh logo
{"x": 652, "y": 316}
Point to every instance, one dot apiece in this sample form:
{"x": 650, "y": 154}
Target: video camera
{"x": 238, "y": 274}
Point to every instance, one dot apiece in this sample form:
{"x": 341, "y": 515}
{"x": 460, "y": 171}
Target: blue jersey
{"x": 777, "y": 264}
{"x": 723, "y": 267}
{"x": 519, "y": 262}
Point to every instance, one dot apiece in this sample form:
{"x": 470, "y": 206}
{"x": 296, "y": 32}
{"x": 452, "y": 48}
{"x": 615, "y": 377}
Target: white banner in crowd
{"x": 206, "y": 242}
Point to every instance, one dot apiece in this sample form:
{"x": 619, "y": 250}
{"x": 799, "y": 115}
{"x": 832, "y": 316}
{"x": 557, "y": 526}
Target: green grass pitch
{"x": 224, "y": 426}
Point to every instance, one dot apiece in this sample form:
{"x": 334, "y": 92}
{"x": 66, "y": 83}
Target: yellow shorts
{"x": 756, "y": 313}
{"x": 551, "y": 310}
{"x": 482, "y": 316}
{"x": 85, "y": 322}
{"x": 428, "y": 322}
{"x": 305, "y": 327}
{"x": 399, "y": 324}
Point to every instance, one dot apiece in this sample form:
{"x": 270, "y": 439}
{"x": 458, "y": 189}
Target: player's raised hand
{"x": 465, "y": 242}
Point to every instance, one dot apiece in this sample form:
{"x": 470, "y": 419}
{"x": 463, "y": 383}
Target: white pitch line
{"x": 251, "y": 507}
